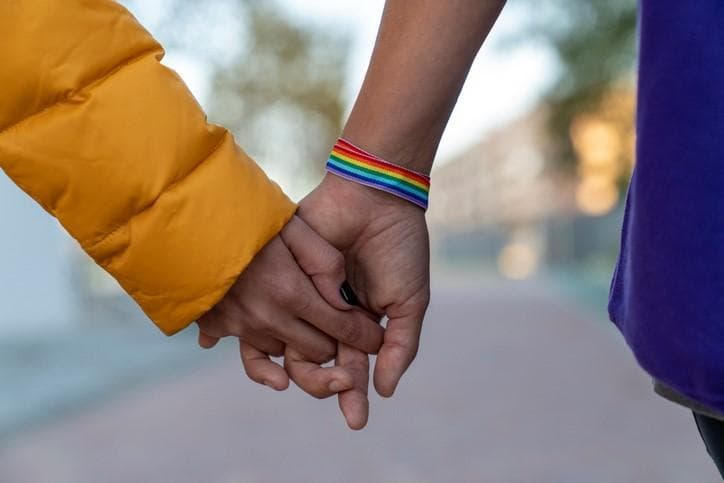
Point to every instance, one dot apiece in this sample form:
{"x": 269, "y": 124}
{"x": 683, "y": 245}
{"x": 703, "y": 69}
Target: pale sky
{"x": 503, "y": 83}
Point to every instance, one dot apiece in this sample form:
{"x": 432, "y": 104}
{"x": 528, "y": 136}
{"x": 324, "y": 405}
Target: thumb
{"x": 402, "y": 341}
{"x": 322, "y": 262}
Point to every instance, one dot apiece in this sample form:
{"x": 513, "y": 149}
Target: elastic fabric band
{"x": 355, "y": 164}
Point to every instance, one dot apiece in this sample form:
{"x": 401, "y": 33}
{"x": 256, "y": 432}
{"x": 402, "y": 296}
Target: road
{"x": 514, "y": 384}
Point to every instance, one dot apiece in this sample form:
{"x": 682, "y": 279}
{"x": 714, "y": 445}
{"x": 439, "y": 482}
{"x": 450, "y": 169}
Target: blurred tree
{"x": 595, "y": 42}
{"x": 283, "y": 97}
{"x": 276, "y": 84}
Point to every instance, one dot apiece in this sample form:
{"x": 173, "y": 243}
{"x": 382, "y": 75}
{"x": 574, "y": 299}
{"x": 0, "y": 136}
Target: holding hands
{"x": 290, "y": 301}
{"x": 361, "y": 224}
{"x": 385, "y": 243}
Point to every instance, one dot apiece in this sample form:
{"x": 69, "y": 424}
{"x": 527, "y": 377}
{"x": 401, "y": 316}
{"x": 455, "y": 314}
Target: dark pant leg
{"x": 712, "y": 432}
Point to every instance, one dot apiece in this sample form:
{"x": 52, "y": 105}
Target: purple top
{"x": 667, "y": 294}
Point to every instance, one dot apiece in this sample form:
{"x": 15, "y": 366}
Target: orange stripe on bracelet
{"x": 356, "y": 164}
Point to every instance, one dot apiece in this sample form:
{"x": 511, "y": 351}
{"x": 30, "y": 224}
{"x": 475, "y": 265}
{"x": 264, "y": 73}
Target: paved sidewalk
{"x": 46, "y": 376}
{"x": 512, "y": 386}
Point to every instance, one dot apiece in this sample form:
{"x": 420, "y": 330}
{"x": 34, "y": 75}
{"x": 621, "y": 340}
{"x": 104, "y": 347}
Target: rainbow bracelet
{"x": 355, "y": 164}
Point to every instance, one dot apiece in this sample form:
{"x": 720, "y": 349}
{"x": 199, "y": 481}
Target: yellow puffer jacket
{"x": 112, "y": 143}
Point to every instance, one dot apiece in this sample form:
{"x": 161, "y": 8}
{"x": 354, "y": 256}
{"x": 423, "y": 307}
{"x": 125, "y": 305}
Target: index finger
{"x": 351, "y": 327}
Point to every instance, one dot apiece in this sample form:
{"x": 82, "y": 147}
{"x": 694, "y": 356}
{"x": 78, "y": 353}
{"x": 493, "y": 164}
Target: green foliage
{"x": 283, "y": 96}
{"x": 595, "y": 42}
{"x": 276, "y": 85}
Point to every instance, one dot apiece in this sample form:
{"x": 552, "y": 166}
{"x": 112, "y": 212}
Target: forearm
{"x": 422, "y": 56}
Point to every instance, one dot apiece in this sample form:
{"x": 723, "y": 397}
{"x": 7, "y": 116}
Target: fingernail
{"x": 269, "y": 384}
{"x": 348, "y": 294}
{"x": 336, "y": 386}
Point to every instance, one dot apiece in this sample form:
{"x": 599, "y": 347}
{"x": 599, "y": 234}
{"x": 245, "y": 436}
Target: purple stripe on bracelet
{"x": 343, "y": 174}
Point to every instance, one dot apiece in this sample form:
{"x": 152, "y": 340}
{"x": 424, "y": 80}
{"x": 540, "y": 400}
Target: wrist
{"x": 353, "y": 206}
{"x": 351, "y": 194}
{"x": 345, "y": 212}
{"x": 413, "y": 152}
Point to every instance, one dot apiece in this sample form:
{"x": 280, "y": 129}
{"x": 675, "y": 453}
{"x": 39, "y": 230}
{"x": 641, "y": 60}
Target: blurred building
{"x": 507, "y": 203}
{"x": 505, "y": 179}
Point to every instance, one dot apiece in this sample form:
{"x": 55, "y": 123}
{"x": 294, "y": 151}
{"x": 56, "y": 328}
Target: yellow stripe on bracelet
{"x": 355, "y": 164}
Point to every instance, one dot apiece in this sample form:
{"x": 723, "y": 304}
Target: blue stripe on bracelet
{"x": 379, "y": 182}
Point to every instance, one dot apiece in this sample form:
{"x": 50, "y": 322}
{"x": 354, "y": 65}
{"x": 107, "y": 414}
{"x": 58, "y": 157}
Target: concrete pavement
{"x": 513, "y": 385}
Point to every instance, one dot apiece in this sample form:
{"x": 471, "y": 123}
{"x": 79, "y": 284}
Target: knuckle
{"x": 260, "y": 324}
{"x": 258, "y": 320}
{"x": 234, "y": 326}
{"x": 295, "y": 299}
{"x": 314, "y": 389}
{"x": 290, "y": 365}
{"x": 320, "y": 351}
{"x": 287, "y": 294}
{"x": 277, "y": 351}
{"x": 326, "y": 354}
{"x": 349, "y": 331}
{"x": 407, "y": 350}
{"x": 336, "y": 263}
{"x": 302, "y": 305}
{"x": 318, "y": 356}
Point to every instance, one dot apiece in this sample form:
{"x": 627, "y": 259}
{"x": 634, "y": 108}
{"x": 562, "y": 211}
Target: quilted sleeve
{"x": 112, "y": 143}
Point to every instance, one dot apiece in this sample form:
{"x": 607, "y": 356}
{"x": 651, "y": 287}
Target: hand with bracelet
{"x": 288, "y": 300}
{"x": 370, "y": 206}
{"x": 371, "y": 203}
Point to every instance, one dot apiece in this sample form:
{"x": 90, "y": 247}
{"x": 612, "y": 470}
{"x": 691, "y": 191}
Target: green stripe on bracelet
{"x": 351, "y": 162}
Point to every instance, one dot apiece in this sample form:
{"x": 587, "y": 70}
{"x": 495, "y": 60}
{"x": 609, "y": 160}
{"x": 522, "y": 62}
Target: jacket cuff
{"x": 179, "y": 257}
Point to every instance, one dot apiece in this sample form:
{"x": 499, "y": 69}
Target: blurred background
{"x": 521, "y": 378}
